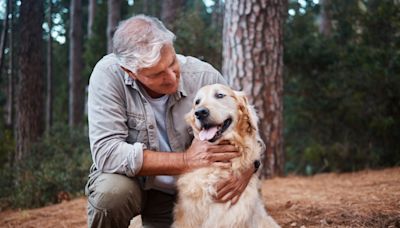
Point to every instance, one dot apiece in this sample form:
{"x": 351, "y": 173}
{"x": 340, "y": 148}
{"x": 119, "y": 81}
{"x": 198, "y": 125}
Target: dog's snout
{"x": 202, "y": 113}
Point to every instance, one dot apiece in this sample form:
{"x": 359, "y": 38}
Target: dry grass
{"x": 362, "y": 199}
{"x": 70, "y": 214}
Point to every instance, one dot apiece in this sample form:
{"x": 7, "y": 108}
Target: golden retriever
{"x": 219, "y": 113}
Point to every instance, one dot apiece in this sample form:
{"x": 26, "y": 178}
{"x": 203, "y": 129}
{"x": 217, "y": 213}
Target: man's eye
{"x": 197, "y": 102}
{"x": 219, "y": 95}
{"x": 153, "y": 76}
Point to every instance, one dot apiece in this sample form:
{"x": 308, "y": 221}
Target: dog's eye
{"x": 219, "y": 95}
{"x": 197, "y": 102}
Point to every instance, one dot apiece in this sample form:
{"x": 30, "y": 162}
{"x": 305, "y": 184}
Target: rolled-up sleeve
{"x": 108, "y": 130}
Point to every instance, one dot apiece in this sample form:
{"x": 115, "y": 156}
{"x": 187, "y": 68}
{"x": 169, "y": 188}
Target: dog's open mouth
{"x": 212, "y": 132}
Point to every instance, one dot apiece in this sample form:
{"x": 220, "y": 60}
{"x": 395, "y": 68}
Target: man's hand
{"x": 232, "y": 188}
{"x": 203, "y": 154}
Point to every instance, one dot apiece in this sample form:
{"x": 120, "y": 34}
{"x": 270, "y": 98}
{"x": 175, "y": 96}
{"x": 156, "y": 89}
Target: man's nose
{"x": 171, "y": 73}
{"x": 202, "y": 113}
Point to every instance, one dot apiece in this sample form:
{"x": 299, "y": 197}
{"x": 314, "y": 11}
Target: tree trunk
{"x": 114, "y": 16}
{"x": 3, "y": 40}
{"x": 325, "y": 25}
{"x": 49, "y": 94}
{"x": 91, "y": 15}
{"x": 9, "y": 120}
{"x": 253, "y": 62}
{"x": 30, "y": 99}
{"x": 76, "y": 83}
{"x": 169, "y": 11}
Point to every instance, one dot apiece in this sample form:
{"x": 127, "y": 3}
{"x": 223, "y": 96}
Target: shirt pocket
{"x": 137, "y": 130}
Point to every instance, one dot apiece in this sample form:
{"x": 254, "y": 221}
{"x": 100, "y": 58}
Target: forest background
{"x": 339, "y": 100}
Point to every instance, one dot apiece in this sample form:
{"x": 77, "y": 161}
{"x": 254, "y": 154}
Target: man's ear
{"x": 130, "y": 73}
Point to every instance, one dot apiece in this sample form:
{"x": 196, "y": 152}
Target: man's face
{"x": 163, "y": 77}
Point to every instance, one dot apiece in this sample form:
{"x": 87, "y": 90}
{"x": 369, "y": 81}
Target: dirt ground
{"x": 362, "y": 199}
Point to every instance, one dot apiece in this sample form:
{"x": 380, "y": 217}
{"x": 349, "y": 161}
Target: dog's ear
{"x": 248, "y": 119}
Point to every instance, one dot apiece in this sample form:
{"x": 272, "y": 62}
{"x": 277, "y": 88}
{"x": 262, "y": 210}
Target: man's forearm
{"x": 162, "y": 163}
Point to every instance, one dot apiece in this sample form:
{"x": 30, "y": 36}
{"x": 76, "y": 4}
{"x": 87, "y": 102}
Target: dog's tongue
{"x": 207, "y": 134}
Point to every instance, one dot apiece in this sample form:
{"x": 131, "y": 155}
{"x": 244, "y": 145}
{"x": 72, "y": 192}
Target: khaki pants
{"x": 113, "y": 200}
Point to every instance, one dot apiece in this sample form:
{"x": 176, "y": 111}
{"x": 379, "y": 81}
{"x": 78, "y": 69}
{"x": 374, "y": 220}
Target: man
{"x": 139, "y": 141}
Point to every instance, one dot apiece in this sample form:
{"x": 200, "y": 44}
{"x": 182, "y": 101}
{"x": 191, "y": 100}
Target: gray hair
{"x": 137, "y": 42}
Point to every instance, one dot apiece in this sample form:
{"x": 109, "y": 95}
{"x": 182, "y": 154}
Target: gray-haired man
{"x": 139, "y": 141}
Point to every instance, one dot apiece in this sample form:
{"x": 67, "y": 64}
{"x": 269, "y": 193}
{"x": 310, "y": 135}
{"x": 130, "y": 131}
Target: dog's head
{"x": 218, "y": 110}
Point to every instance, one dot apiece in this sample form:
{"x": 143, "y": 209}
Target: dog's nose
{"x": 202, "y": 113}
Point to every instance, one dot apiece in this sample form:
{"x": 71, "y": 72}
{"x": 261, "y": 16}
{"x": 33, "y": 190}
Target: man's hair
{"x": 137, "y": 42}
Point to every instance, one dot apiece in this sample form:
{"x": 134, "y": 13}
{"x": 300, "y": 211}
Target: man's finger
{"x": 228, "y": 196}
{"x": 223, "y": 148}
{"x": 235, "y": 199}
{"x": 222, "y": 200}
{"x": 223, "y": 156}
{"x": 224, "y": 190}
{"x": 224, "y": 182}
{"x": 224, "y": 142}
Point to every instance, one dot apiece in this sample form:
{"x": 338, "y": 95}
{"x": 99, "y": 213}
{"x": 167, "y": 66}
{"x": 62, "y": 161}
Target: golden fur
{"x": 195, "y": 206}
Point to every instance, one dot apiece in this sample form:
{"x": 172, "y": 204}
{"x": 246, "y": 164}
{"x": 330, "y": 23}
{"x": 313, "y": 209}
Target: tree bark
{"x": 91, "y": 15}
{"x": 169, "y": 11}
{"x": 49, "y": 94}
{"x": 10, "y": 112}
{"x": 253, "y": 62}
{"x": 76, "y": 83}
{"x": 3, "y": 40}
{"x": 325, "y": 25}
{"x": 114, "y": 16}
{"x": 30, "y": 99}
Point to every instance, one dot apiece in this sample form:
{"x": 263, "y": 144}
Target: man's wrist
{"x": 163, "y": 163}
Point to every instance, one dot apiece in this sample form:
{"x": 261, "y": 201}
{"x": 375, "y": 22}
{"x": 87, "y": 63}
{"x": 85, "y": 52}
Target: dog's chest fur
{"x": 197, "y": 188}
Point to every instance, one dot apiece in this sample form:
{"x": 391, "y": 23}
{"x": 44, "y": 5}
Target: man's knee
{"x": 113, "y": 190}
{"x": 113, "y": 197}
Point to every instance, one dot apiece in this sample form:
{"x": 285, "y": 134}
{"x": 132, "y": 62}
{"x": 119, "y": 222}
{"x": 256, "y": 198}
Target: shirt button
{"x": 151, "y": 126}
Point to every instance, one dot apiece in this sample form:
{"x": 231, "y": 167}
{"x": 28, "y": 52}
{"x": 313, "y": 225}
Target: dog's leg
{"x": 262, "y": 218}
{"x": 269, "y": 222}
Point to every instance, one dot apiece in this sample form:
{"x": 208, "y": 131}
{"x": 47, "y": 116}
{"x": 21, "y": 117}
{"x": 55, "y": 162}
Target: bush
{"x": 342, "y": 93}
{"x": 59, "y": 163}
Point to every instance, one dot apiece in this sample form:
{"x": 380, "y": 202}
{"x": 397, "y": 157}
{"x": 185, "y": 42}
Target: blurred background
{"x": 324, "y": 76}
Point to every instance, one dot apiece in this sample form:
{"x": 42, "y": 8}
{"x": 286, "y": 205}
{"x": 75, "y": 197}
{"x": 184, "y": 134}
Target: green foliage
{"x": 6, "y": 147}
{"x": 147, "y": 7}
{"x": 342, "y": 94}
{"x": 60, "y": 62}
{"x": 60, "y": 162}
{"x": 96, "y": 46}
{"x": 197, "y": 35}
{"x": 60, "y": 83}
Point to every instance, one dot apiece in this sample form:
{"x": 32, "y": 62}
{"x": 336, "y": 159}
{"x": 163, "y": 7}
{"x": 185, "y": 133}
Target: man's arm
{"x": 107, "y": 120}
{"x": 199, "y": 154}
{"x": 162, "y": 163}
